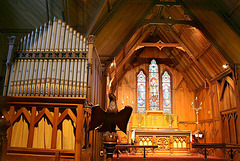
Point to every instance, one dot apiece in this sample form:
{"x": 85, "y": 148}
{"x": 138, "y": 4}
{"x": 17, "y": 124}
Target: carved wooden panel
{"x": 166, "y": 140}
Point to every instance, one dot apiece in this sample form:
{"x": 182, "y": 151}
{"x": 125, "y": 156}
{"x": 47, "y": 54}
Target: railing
{"x": 136, "y": 146}
{"x": 207, "y": 148}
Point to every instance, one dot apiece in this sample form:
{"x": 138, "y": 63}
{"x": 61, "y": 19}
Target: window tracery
{"x": 141, "y": 92}
{"x": 166, "y": 92}
{"x": 153, "y": 86}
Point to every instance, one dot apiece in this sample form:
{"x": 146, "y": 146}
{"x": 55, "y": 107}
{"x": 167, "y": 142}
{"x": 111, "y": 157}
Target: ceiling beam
{"x": 134, "y": 29}
{"x": 185, "y": 76}
{"x": 132, "y": 50}
{"x": 99, "y": 11}
{"x": 177, "y": 64}
{"x": 168, "y": 21}
{"x": 201, "y": 70}
{"x": 158, "y": 45}
{"x": 234, "y": 8}
{"x": 206, "y": 33}
{"x": 167, "y": 4}
{"x": 218, "y": 77}
{"x": 206, "y": 48}
{"x": 16, "y": 30}
{"x": 222, "y": 75}
{"x": 96, "y": 27}
{"x": 109, "y": 3}
{"x": 106, "y": 56}
{"x": 198, "y": 56}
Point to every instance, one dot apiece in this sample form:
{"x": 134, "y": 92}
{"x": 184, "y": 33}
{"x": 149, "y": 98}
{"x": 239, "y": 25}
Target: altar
{"x": 157, "y": 128}
{"x": 168, "y": 141}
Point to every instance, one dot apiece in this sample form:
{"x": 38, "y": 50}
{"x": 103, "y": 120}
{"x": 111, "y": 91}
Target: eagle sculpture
{"x": 107, "y": 120}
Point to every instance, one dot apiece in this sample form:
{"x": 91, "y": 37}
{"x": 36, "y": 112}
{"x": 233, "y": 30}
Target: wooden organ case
{"x": 48, "y": 80}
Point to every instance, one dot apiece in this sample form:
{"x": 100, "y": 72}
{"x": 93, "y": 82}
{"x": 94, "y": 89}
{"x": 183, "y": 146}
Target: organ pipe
{"x": 51, "y": 61}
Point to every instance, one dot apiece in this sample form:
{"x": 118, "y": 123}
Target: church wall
{"x": 182, "y": 96}
{"x": 218, "y": 117}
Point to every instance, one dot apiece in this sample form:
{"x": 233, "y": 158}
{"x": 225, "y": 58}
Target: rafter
{"x": 158, "y": 45}
{"x": 186, "y": 77}
{"x": 207, "y": 47}
{"x": 199, "y": 55}
{"x": 132, "y": 50}
{"x": 97, "y": 27}
{"x": 168, "y": 21}
{"x": 206, "y": 32}
{"x": 109, "y": 3}
{"x": 133, "y": 30}
{"x": 167, "y": 4}
{"x": 218, "y": 77}
{"x": 201, "y": 70}
{"x": 234, "y": 8}
{"x": 16, "y": 30}
{"x": 221, "y": 75}
{"x": 99, "y": 11}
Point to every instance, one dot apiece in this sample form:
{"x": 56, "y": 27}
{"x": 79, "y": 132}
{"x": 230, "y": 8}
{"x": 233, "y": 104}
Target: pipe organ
{"x": 53, "y": 72}
{"x": 51, "y": 61}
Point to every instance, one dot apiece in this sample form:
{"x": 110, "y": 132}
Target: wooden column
{"x": 237, "y": 90}
{"x": 9, "y": 132}
{"x": 171, "y": 144}
{"x": 188, "y": 145}
{"x": 31, "y": 128}
{"x": 79, "y": 133}
{"x": 54, "y": 129}
{"x": 4, "y": 125}
{"x": 8, "y": 63}
{"x": 91, "y": 40}
{"x": 214, "y": 130}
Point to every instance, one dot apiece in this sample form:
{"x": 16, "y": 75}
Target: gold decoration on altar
{"x": 139, "y": 118}
{"x": 170, "y": 119}
{"x": 168, "y": 141}
{"x": 154, "y": 120}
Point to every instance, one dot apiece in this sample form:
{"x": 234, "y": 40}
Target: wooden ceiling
{"x": 183, "y": 30}
{"x": 26, "y": 15}
{"x": 198, "y": 36}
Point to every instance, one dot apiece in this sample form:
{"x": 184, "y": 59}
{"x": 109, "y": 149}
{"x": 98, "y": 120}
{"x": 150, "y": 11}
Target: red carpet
{"x": 194, "y": 157}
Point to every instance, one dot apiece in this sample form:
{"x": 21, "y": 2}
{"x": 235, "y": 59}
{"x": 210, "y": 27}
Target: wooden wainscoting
{"x": 47, "y": 128}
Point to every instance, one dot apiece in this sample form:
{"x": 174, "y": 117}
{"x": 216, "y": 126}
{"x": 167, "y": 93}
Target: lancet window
{"x": 153, "y": 86}
{"x": 152, "y": 91}
{"x": 141, "y": 92}
{"x": 166, "y": 92}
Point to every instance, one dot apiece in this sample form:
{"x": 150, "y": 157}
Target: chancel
{"x": 174, "y": 62}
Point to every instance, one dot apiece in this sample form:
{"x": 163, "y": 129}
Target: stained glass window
{"x": 141, "y": 92}
{"x": 153, "y": 86}
{"x": 166, "y": 89}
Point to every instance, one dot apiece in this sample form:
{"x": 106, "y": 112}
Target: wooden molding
{"x": 167, "y": 4}
{"x": 6, "y": 100}
{"x": 168, "y": 21}
{"x": 158, "y": 45}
